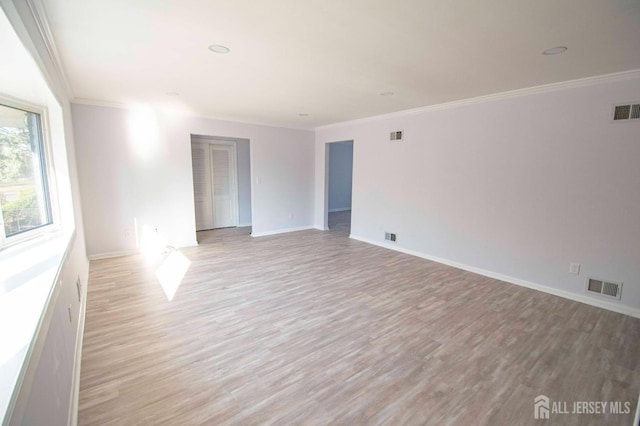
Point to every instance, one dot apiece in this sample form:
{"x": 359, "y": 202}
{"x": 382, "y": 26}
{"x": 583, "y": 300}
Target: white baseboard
{"x": 196, "y": 244}
{"x": 281, "y": 231}
{"x": 622, "y": 309}
{"x": 75, "y": 380}
{"x": 341, "y": 209}
{"x": 242, "y": 225}
{"x": 110, "y": 254}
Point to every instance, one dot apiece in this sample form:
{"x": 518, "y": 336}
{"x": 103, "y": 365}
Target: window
{"x": 24, "y": 194}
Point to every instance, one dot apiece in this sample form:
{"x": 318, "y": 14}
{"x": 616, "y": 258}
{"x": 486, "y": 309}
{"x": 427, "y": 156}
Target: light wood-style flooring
{"x": 314, "y": 328}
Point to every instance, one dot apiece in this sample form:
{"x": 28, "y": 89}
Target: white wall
{"x": 518, "y": 187}
{"x": 135, "y": 168}
{"x": 27, "y": 73}
{"x": 244, "y": 182}
{"x": 340, "y": 174}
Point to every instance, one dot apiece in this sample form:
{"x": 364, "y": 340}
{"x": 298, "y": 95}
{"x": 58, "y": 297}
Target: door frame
{"x": 323, "y": 161}
{"x": 234, "y": 171}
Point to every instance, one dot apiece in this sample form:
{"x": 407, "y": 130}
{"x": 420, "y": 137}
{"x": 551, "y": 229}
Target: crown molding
{"x": 129, "y": 106}
{"x": 569, "y": 84}
{"x": 100, "y": 103}
{"x": 38, "y": 12}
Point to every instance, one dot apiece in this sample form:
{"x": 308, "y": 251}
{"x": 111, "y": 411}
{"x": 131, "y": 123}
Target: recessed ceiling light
{"x": 218, "y": 48}
{"x": 173, "y": 94}
{"x": 303, "y": 114}
{"x": 387, "y": 94}
{"x": 555, "y": 50}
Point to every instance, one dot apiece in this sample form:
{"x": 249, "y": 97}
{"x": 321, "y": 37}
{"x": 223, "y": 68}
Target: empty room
{"x": 340, "y": 212}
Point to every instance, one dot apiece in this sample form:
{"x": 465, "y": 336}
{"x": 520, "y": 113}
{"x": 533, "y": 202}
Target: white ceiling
{"x": 332, "y": 58}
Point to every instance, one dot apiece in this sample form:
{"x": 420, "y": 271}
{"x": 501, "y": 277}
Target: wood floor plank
{"x": 314, "y": 328}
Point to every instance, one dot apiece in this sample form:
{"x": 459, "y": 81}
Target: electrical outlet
{"x": 574, "y": 268}
{"x": 390, "y": 236}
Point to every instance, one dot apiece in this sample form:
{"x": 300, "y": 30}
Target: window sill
{"x": 28, "y": 274}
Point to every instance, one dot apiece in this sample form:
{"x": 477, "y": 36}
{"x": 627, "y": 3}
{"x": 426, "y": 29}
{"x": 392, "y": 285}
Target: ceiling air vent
{"x": 626, "y": 112}
{"x": 604, "y": 288}
{"x": 396, "y": 136}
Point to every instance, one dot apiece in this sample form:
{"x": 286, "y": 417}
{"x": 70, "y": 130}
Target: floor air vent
{"x": 604, "y": 288}
{"x": 626, "y": 112}
{"x": 396, "y": 136}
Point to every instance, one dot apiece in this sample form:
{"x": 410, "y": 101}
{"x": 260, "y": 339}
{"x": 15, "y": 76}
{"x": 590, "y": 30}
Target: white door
{"x": 202, "y": 188}
{"x": 225, "y": 193}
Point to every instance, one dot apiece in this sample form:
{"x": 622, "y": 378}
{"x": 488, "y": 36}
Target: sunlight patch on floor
{"x": 171, "y": 273}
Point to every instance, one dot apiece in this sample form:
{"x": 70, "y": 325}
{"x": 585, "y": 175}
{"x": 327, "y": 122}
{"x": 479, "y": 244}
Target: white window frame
{"x": 49, "y": 174}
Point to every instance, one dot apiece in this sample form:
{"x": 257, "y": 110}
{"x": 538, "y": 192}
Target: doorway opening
{"x": 221, "y": 186}
{"x": 340, "y": 183}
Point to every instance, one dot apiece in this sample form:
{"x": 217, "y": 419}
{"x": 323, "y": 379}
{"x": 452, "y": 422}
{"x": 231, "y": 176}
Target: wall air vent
{"x": 604, "y": 288}
{"x": 396, "y": 136}
{"x": 626, "y": 112}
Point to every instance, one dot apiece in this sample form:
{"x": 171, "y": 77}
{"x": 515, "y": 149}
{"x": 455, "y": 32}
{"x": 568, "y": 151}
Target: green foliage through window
{"x": 23, "y": 186}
